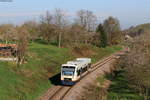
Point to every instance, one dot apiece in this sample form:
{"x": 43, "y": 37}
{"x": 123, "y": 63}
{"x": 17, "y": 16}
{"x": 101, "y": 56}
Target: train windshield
{"x": 68, "y": 70}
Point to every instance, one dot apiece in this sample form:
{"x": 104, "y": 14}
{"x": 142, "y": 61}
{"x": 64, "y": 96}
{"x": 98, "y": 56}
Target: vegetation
{"x": 103, "y": 36}
{"x": 31, "y": 79}
{"x": 145, "y": 27}
{"x": 113, "y": 30}
{"x": 138, "y": 30}
{"x": 43, "y": 46}
{"x": 22, "y": 44}
{"x": 95, "y": 91}
{"x": 119, "y": 88}
{"x": 56, "y": 28}
{"x": 131, "y": 81}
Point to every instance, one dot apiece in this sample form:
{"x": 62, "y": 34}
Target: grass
{"x": 103, "y": 52}
{"x": 101, "y": 80}
{"x": 31, "y": 79}
{"x": 120, "y": 90}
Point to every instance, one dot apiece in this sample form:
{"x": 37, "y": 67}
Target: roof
{"x": 79, "y": 62}
{"x": 6, "y": 45}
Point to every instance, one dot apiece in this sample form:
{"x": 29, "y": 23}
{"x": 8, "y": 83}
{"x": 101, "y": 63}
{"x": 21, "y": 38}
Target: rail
{"x": 60, "y": 92}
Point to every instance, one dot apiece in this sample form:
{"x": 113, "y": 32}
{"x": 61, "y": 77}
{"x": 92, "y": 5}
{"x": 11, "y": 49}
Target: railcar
{"x": 73, "y": 70}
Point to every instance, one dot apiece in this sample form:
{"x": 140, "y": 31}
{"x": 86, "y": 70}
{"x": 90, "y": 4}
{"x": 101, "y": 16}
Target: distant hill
{"x": 139, "y": 29}
{"x": 145, "y": 27}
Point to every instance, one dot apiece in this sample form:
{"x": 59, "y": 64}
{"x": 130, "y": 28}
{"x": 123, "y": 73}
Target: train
{"x": 72, "y": 71}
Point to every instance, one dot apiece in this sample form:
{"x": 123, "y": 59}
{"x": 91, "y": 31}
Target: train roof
{"x": 84, "y": 59}
{"x": 79, "y": 62}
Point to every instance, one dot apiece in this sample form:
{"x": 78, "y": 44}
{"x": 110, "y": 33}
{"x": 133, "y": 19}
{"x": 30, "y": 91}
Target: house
{"x": 8, "y": 50}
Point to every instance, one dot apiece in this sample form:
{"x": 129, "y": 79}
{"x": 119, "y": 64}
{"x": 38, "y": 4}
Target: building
{"x": 8, "y": 50}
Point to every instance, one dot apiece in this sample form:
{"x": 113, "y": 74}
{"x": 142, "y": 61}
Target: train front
{"x": 68, "y": 74}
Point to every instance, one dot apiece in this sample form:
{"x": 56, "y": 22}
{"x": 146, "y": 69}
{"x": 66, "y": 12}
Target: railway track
{"x": 60, "y": 92}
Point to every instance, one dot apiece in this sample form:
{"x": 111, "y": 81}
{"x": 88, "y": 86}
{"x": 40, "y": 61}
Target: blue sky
{"x": 129, "y": 12}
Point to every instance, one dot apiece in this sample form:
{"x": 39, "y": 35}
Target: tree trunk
{"x": 59, "y": 45}
{"x": 146, "y": 94}
{"x": 6, "y": 41}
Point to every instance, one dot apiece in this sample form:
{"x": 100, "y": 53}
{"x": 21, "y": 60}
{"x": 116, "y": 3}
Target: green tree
{"x": 103, "y": 35}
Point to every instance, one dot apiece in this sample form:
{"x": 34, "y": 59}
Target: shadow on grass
{"x": 55, "y": 80}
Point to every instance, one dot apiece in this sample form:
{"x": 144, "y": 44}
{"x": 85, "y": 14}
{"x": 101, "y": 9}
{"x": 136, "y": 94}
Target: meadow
{"x": 31, "y": 79}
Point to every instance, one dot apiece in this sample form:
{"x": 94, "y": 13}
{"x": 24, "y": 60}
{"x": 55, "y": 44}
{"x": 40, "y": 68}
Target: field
{"x": 30, "y": 80}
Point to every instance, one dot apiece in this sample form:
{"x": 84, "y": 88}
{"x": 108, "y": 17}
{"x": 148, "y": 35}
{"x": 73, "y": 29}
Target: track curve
{"x": 60, "y": 92}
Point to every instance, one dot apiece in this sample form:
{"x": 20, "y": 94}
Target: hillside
{"x": 31, "y": 79}
{"x": 145, "y": 27}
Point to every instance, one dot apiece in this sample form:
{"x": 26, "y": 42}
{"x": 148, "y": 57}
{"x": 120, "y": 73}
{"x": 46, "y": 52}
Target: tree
{"x": 78, "y": 33}
{"x": 103, "y": 35}
{"x": 47, "y": 28}
{"x": 22, "y": 44}
{"x": 60, "y": 21}
{"x": 47, "y": 18}
{"x": 33, "y": 29}
{"x": 86, "y": 19}
{"x": 113, "y": 30}
{"x": 8, "y": 32}
{"x": 137, "y": 65}
{"x": 55, "y": 28}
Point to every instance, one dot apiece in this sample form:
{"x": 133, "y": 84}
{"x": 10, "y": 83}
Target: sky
{"x": 129, "y": 12}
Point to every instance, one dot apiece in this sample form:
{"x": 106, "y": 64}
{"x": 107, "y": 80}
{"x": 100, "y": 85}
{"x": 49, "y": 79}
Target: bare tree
{"x": 77, "y": 34}
{"x": 46, "y": 19}
{"x": 7, "y": 32}
{"x": 22, "y": 44}
{"x": 87, "y": 19}
{"x": 60, "y": 21}
{"x": 47, "y": 28}
{"x": 33, "y": 29}
{"x": 137, "y": 65}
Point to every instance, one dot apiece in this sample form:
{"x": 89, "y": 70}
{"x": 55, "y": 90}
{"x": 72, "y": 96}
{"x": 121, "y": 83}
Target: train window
{"x": 68, "y": 70}
{"x": 78, "y": 72}
{"x": 68, "y": 67}
{"x": 68, "y": 73}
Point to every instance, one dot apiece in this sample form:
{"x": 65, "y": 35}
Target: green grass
{"x": 103, "y": 52}
{"x": 31, "y": 79}
{"x": 120, "y": 90}
{"x": 101, "y": 80}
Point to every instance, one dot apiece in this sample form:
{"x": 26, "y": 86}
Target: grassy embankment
{"x": 120, "y": 90}
{"x": 31, "y": 79}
